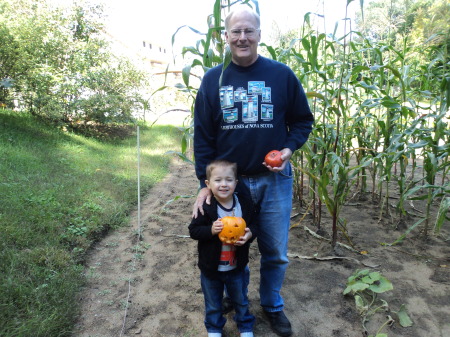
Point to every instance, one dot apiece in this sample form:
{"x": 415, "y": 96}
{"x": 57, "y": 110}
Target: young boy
{"x": 223, "y": 265}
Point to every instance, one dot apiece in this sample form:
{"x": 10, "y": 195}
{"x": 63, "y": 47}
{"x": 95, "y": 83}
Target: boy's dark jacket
{"x": 209, "y": 245}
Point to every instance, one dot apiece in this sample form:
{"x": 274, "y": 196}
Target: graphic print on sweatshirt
{"x": 244, "y": 104}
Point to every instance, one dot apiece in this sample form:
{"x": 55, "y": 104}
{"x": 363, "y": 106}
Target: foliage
{"x": 365, "y": 286}
{"x": 59, "y": 193}
{"x": 58, "y": 64}
{"x": 380, "y": 103}
{"x": 391, "y": 20}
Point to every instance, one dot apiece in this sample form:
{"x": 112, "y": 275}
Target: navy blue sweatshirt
{"x": 257, "y": 109}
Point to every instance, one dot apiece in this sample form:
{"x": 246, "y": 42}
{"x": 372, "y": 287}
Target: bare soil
{"x": 150, "y": 286}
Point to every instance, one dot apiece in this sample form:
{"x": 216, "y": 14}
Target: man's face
{"x": 243, "y": 36}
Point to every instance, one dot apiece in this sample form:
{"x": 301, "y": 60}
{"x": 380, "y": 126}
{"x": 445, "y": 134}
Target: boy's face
{"x": 222, "y": 183}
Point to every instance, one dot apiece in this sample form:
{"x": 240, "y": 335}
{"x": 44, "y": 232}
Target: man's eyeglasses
{"x": 248, "y": 32}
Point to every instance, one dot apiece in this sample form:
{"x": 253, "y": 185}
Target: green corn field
{"x": 382, "y": 118}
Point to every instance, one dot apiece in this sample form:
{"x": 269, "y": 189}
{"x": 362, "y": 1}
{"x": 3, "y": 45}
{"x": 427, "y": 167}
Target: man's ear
{"x": 226, "y": 36}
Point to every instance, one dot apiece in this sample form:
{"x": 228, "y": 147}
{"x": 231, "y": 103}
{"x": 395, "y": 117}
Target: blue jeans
{"x": 236, "y": 284}
{"x": 272, "y": 194}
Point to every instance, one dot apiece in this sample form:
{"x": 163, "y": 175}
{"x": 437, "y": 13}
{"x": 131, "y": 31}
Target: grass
{"x": 59, "y": 192}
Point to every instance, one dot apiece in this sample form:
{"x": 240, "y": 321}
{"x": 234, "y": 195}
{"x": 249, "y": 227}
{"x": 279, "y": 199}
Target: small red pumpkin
{"x": 233, "y": 229}
{"x": 273, "y": 158}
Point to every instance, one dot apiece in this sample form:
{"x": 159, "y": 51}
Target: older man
{"x": 259, "y": 106}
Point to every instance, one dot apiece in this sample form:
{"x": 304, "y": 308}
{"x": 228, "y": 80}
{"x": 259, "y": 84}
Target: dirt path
{"x": 159, "y": 278}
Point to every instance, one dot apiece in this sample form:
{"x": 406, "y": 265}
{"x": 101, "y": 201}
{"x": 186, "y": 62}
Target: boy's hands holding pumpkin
{"x": 217, "y": 227}
{"x": 243, "y": 239}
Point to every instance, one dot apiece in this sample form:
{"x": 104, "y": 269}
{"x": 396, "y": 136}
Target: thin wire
{"x": 139, "y": 182}
{"x": 139, "y": 229}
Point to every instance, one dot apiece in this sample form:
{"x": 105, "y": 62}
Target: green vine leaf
{"x": 381, "y": 286}
{"x": 403, "y": 317}
{"x": 361, "y": 306}
{"x": 355, "y": 287}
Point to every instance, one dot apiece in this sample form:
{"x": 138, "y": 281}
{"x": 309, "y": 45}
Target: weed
{"x": 112, "y": 244}
{"x": 104, "y": 292}
{"x": 365, "y": 286}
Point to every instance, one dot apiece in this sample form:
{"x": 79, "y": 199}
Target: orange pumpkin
{"x": 233, "y": 229}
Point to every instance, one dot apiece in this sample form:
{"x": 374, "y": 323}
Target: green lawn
{"x": 59, "y": 192}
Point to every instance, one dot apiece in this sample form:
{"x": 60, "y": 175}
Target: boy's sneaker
{"x": 214, "y": 334}
{"x": 247, "y": 334}
{"x": 227, "y": 305}
{"x": 279, "y": 323}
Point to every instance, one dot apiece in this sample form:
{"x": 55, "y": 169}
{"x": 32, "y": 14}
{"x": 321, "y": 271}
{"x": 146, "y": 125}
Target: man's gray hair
{"x": 241, "y": 9}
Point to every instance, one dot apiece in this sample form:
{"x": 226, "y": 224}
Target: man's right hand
{"x": 204, "y": 194}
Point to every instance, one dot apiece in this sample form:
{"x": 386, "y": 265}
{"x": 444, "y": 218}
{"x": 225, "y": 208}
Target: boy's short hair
{"x": 220, "y": 163}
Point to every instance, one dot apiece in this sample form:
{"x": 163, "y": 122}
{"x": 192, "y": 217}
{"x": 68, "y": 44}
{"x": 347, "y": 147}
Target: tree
{"x": 419, "y": 20}
{"x": 431, "y": 22}
{"x": 383, "y": 19}
{"x": 58, "y": 64}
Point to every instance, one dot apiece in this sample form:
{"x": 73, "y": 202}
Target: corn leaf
{"x": 444, "y": 208}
